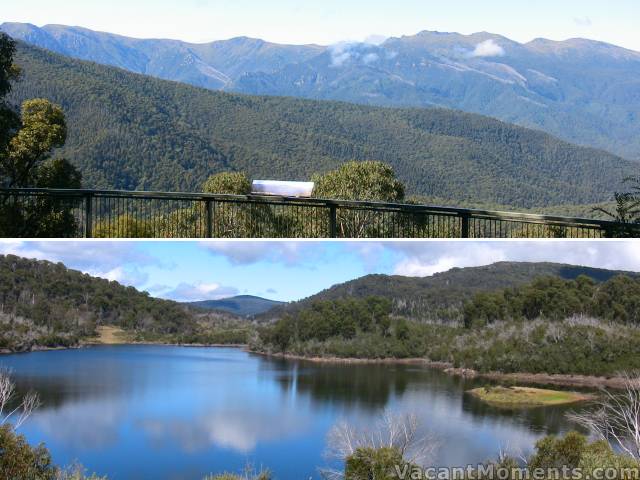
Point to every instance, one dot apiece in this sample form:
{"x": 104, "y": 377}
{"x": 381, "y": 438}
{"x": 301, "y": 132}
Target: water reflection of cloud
{"x": 441, "y": 415}
{"x": 81, "y": 425}
{"x": 236, "y": 430}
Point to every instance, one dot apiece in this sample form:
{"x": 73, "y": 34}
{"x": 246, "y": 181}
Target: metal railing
{"x": 124, "y": 214}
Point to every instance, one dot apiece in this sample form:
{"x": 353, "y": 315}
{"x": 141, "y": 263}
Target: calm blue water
{"x": 154, "y": 412}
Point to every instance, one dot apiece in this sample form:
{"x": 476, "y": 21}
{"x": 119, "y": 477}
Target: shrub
{"x": 20, "y": 461}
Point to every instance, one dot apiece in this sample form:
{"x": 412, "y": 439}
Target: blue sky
{"x": 291, "y": 270}
{"x": 330, "y": 21}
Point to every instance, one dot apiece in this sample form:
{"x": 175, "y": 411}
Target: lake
{"x": 170, "y": 413}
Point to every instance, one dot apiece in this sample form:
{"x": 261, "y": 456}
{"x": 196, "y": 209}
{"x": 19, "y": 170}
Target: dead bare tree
{"x": 24, "y": 408}
{"x": 391, "y": 431}
{"x": 617, "y": 416}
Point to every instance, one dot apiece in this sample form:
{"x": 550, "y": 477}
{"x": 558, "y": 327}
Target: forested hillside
{"x": 580, "y": 90}
{"x": 550, "y": 325}
{"x": 44, "y": 304}
{"x": 134, "y": 132}
{"x": 583, "y": 91}
{"x": 441, "y": 297}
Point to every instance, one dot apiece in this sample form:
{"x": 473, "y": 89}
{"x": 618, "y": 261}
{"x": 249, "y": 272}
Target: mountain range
{"x": 135, "y": 132}
{"x": 582, "y": 91}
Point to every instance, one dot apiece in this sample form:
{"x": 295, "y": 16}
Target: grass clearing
{"x": 109, "y": 335}
{"x": 526, "y": 396}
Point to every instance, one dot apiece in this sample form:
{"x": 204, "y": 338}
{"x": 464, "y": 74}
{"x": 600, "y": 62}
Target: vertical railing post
{"x": 333, "y": 221}
{"x": 209, "y": 220}
{"x": 465, "y": 225}
{"x": 88, "y": 214}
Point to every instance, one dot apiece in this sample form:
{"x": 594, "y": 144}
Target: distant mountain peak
{"x": 242, "y": 305}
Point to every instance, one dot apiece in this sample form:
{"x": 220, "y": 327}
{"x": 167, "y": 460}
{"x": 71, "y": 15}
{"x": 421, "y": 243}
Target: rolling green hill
{"x": 44, "y": 303}
{"x": 441, "y": 296}
{"x": 131, "y": 131}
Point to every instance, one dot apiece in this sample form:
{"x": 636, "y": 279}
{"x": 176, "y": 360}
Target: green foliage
{"x": 343, "y": 319}
{"x": 554, "y": 452}
{"x": 552, "y": 298}
{"x": 77, "y": 472}
{"x": 43, "y": 129}
{"x": 360, "y": 181}
{"x": 139, "y": 133}
{"x": 248, "y": 474}
{"x": 551, "y": 325}
{"x": 44, "y": 217}
{"x": 20, "y": 461}
{"x": 442, "y": 297}
{"x": 124, "y": 226}
{"x": 599, "y": 455}
{"x": 9, "y": 119}
{"x": 43, "y": 303}
{"x": 373, "y": 463}
{"x": 27, "y": 164}
{"x": 26, "y": 142}
{"x": 232, "y": 183}
{"x": 575, "y": 452}
{"x": 627, "y": 209}
{"x": 365, "y": 180}
{"x": 58, "y": 173}
{"x": 571, "y": 456}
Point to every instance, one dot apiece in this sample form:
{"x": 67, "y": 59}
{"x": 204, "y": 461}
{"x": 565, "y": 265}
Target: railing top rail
{"x": 398, "y": 207}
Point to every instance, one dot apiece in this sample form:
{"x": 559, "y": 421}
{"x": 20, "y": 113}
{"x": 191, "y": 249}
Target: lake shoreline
{"x": 564, "y": 380}
{"x": 39, "y": 348}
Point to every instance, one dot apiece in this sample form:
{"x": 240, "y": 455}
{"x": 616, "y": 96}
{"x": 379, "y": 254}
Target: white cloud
{"x": 365, "y": 52}
{"x": 370, "y": 58}
{"x": 422, "y": 264}
{"x": 427, "y": 258}
{"x": 240, "y": 431}
{"x": 247, "y": 253}
{"x": 584, "y": 22}
{"x": 119, "y": 261}
{"x": 375, "y": 39}
{"x": 191, "y": 292}
{"x": 79, "y": 252}
{"x": 340, "y": 53}
{"x": 488, "y": 48}
{"x": 125, "y": 275}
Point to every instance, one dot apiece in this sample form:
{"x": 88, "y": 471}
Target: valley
{"x": 582, "y": 91}
{"x": 134, "y": 132}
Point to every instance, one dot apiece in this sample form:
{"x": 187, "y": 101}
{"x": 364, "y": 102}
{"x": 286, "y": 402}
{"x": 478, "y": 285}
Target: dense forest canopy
{"x": 552, "y": 298}
{"x": 551, "y": 325}
{"x": 46, "y": 304}
{"x": 60, "y": 301}
{"x": 129, "y": 131}
{"x": 580, "y": 90}
{"x": 442, "y": 296}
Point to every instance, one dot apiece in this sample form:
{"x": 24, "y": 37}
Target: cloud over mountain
{"x": 488, "y": 48}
